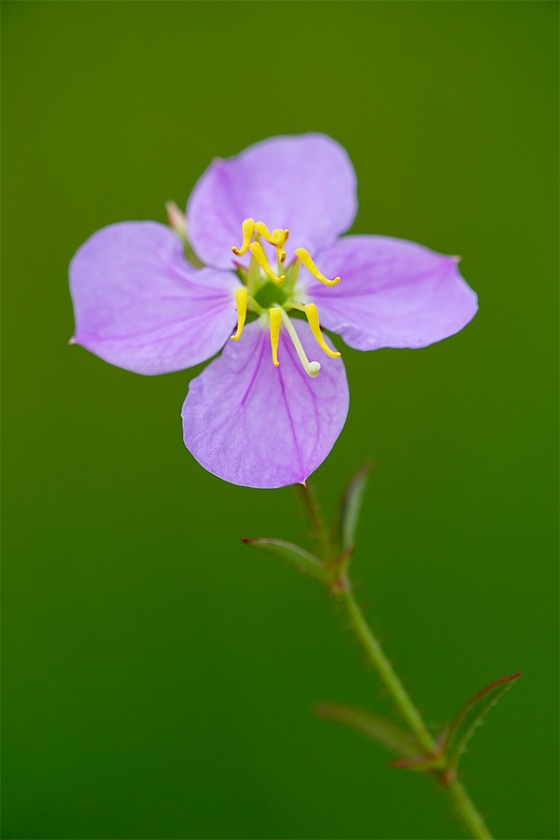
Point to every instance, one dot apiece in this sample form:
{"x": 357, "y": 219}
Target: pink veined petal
{"x": 392, "y": 293}
{"x": 305, "y": 183}
{"x": 257, "y": 425}
{"x": 140, "y": 306}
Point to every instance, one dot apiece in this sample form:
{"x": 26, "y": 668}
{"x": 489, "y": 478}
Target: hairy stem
{"x": 467, "y": 811}
{"x": 344, "y": 597}
{"x": 341, "y": 588}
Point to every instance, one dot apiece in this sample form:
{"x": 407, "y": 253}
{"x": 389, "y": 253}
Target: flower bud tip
{"x": 175, "y": 218}
{"x": 71, "y": 341}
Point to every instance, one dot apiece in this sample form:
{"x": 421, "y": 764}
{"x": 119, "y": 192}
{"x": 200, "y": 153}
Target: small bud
{"x": 176, "y": 219}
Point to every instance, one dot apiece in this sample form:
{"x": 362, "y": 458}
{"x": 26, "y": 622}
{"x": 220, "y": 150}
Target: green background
{"x": 158, "y": 676}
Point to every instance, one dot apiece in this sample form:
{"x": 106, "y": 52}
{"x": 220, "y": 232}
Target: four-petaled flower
{"x": 265, "y": 413}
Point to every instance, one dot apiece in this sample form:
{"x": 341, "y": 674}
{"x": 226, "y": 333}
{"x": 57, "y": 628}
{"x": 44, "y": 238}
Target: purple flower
{"x": 266, "y": 413}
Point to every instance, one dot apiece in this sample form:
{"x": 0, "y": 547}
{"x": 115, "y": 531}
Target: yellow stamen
{"x": 305, "y": 258}
{"x": 311, "y": 368}
{"x": 277, "y": 237}
{"x": 313, "y": 317}
{"x": 247, "y": 227}
{"x": 280, "y": 252}
{"x": 260, "y": 256}
{"x": 241, "y": 303}
{"x": 275, "y": 321}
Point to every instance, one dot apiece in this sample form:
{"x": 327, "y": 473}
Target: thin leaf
{"x": 462, "y": 727}
{"x": 350, "y": 506}
{"x": 296, "y": 556}
{"x": 380, "y": 729}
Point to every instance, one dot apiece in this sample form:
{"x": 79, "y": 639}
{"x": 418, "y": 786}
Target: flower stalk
{"x": 336, "y": 563}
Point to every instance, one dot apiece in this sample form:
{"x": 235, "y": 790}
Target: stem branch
{"x": 341, "y": 589}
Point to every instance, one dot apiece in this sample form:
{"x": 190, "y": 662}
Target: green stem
{"x": 467, "y": 811}
{"x": 344, "y": 596}
{"x": 319, "y": 531}
{"x": 341, "y": 588}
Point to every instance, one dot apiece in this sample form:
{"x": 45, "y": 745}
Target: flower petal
{"x": 305, "y": 183}
{"x": 392, "y": 293}
{"x": 139, "y": 304}
{"x": 257, "y": 425}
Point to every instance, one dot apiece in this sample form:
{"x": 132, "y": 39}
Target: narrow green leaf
{"x": 463, "y": 725}
{"x": 350, "y": 506}
{"x": 296, "y": 556}
{"x": 380, "y": 729}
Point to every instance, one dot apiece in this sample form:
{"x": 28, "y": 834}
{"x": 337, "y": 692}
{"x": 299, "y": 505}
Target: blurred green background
{"x": 158, "y": 676}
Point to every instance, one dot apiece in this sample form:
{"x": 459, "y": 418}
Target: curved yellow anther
{"x": 275, "y": 321}
{"x": 247, "y": 227}
{"x": 241, "y": 303}
{"x": 277, "y": 237}
{"x": 313, "y": 317}
{"x": 257, "y": 251}
{"x": 305, "y": 258}
{"x": 280, "y": 238}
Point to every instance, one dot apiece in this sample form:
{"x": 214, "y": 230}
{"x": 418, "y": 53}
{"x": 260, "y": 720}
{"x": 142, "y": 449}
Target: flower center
{"x": 274, "y": 294}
